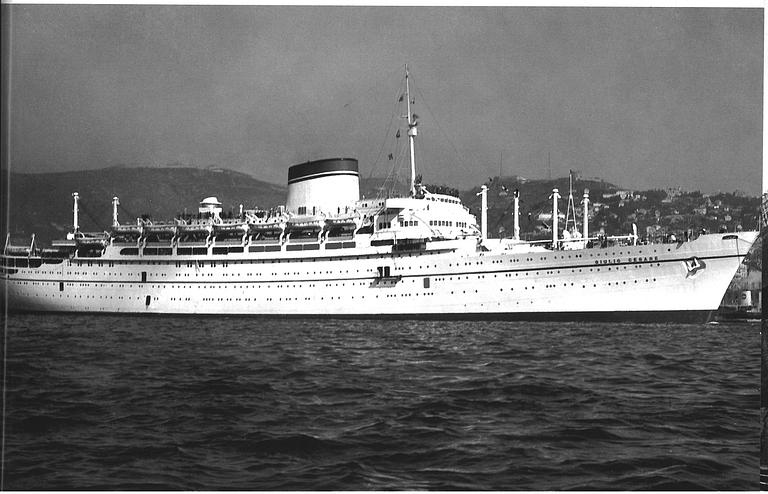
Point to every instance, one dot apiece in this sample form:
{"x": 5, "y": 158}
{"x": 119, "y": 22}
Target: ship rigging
{"x": 329, "y": 252}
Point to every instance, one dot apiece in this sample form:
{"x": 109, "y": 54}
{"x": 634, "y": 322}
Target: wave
{"x": 158, "y": 403}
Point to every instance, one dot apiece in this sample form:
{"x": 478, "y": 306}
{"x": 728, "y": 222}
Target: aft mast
{"x": 412, "y": 132}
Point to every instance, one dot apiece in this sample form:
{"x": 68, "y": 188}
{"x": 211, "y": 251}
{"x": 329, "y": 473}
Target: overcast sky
{"x": 641, "y": 97}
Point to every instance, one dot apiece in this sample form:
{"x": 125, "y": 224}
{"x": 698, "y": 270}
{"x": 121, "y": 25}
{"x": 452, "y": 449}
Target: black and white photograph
{"x": 377, "y": 248}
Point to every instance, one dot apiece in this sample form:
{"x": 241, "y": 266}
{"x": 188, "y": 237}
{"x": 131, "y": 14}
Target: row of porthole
{"x": 480, "y": 276}
{"x": 394, "y": 295}
{"x": 575, "y": 256}
{"x": 363, "y": 284}
{"x": 624, "y": 282}
{"x": 647, "y": 280}
{"x": 101, "y": 297}
{"x": 61, "y": 295}
{"x": 107, "y": 273}
{"x": 102, "y": 285}
{"x": 80, "y": 263}
{"x": 289, "y": 299}
{"x": 94, "y": 297}
{"x": 77, "y": 273}
{"x": 594, "y": 285}
{"x": 450, "y": 278}
{"x": 327, "y": 284}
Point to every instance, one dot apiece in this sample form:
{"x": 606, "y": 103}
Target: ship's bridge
{"x": 428, "y": 216}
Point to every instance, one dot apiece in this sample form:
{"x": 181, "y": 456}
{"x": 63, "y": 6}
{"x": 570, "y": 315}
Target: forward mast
{"x": 412, "y": 132}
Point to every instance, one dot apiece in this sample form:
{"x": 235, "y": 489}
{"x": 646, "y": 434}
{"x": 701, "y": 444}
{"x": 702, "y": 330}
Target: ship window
{"x": 61, "y": 286}
{"x": 426, "y": 282}
{"x": 302, "y": 210}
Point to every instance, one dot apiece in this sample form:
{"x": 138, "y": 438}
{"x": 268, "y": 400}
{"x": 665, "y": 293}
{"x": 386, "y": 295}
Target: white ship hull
{"x": 450, "y": 279}
{"x": 329, "y": 252}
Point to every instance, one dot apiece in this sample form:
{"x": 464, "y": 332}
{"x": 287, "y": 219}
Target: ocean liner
{"x": 327, "y": 252}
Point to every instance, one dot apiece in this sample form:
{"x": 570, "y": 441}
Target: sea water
{"x": 214, "y": 403}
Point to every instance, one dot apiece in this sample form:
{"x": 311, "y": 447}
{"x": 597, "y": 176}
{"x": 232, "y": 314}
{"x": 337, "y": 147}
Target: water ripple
{"x": 144, "y": 403}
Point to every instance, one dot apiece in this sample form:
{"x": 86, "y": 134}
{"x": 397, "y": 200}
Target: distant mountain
{"x": 42, "y": 203}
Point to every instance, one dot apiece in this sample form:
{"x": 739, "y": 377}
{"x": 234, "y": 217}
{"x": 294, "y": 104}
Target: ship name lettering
{"x": 629, "y": 259}
{"x": 608, "y": 261}
{"x": 642, "y": 259}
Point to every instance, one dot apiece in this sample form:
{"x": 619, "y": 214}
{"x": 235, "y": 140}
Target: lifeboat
{"x": 127, "y": 229}
{"x": 62, "y": 244}
{"x": 351, "y": 219}
{"x": 160, "y": 228}
{"x": 194, "y": 228}
{"x": 306, "y": 222}
{"x": 126, "y": 233}
{"x": 160, "y": 231}
{"x": 194, "y": 233}
{"x": 230, "y": 233}
{"x": 159, "y": 234}
{"x": 272, "y": 224}
{"x": 305, "y": 228}
{"x": 230, "y": 228}
{"x": 94, "y": 239}
{"x": 17, "y": 250}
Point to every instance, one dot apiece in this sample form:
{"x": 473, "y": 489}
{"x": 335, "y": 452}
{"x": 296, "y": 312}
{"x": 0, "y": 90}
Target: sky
{"x": 642, "y": 97}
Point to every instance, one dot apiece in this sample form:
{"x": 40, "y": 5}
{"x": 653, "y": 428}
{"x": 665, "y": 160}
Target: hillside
{"x": 534, "y": 200}
{"x": 42, "y": 203}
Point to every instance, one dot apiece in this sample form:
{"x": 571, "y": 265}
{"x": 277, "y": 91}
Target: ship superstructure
{"x": 328, "y": 252}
